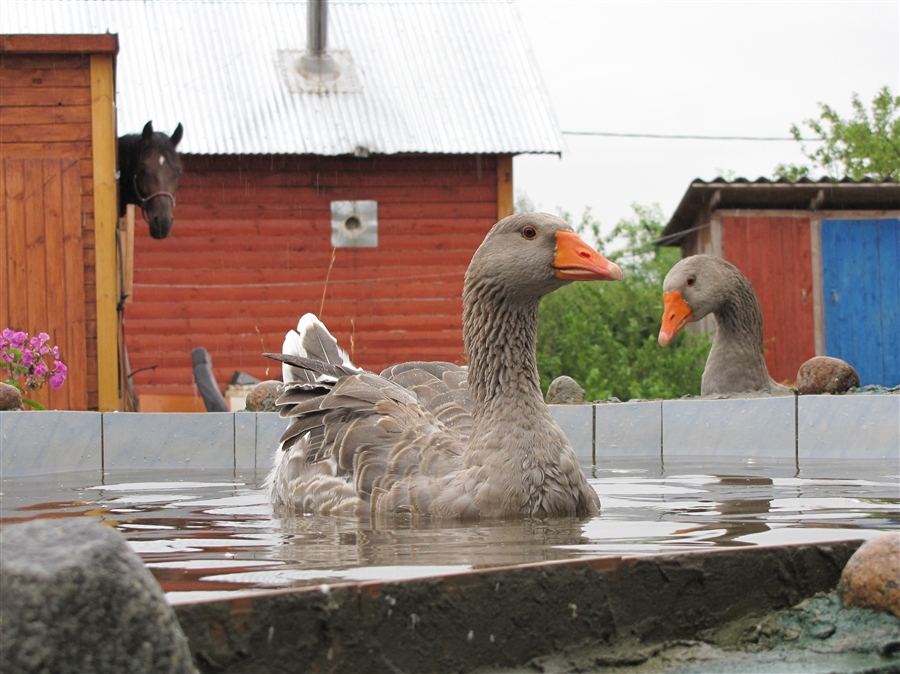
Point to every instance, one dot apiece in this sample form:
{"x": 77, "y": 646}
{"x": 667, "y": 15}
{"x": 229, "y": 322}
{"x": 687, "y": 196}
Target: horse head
{"x": 149, "y": 171}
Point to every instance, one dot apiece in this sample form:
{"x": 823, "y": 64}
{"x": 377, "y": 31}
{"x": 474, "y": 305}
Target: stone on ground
{"x": 76, "y": 598}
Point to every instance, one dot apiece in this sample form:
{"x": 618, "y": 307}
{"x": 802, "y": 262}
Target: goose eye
{"x": 691, "y": 280}
{"x": 529, "y": 232}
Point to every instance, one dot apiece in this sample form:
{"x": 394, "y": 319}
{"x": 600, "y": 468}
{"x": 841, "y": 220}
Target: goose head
{"x": 692, "y": 289}
{"x": 529, "y": 255}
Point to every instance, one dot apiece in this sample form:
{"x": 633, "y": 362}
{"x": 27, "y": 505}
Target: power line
{"x": 684, "y": 137}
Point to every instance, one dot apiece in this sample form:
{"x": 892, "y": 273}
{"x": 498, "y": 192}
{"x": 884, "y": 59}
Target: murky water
{"x": 214, "y": 534}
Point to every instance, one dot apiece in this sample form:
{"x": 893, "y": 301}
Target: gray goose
{"x": 704, "y": 284}
{"x": 436, "y": 439}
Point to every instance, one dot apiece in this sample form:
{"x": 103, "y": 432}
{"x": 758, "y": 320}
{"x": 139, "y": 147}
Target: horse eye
{"x": 691, "y": 280}
{"x": 529, "y": 232}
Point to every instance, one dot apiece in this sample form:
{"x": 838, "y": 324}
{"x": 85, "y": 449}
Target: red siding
{"x": 775, "y": 254}
{"x": 250, "y": 253}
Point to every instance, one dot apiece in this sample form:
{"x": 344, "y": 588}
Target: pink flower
{"x": 58, "y": 376}
{"x": 25, "y": 359}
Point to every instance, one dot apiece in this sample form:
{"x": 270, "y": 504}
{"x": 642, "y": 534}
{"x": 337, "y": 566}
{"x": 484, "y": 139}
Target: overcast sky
{"x": 748, "y": 68}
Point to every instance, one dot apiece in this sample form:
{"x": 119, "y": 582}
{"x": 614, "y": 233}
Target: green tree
{"x": 866, "y": 145}
{"x": 604, "y": 335}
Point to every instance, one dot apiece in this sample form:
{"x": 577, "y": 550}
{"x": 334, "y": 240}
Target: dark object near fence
{"x": 149, "y": 169}
{"x": 206, "y": 381}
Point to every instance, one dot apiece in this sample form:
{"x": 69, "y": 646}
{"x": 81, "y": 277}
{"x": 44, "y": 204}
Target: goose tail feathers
{"x": 311, "y": 350}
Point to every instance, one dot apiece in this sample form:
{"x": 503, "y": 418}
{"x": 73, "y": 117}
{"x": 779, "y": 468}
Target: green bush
{"x": 604, "y": 335}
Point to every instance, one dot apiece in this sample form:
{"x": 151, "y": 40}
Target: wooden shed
{"x": 58, "y": 213}
{"x": 253, "y": 250}
{"x": 393, "y": 124}
{"x": 823, "y": 257}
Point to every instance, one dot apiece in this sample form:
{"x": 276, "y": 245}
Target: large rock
{"x": 262, "y": 397}
{"x": 871, "y": 578}
{"x": 10, "y": 398}
{"x": 565, "y": 391}
{"x": 826, "y": 375}
{"x": 76, "y": 598}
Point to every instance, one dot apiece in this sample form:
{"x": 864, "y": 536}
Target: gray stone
{"x": 10, "y": 398}
{"x": 565, "y": 391}
{"x": 826, "y": 375}
{"x": 76, "y": 598}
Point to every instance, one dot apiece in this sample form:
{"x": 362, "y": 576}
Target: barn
{"x": 58, "y": 214}
{"x": 344, "y": 158}
{"x": 823, "y": 257}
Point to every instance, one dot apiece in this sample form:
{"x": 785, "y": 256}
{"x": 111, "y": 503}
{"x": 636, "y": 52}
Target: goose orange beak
{"x": 676, "y": 314}
{"x": 577, "y": 261}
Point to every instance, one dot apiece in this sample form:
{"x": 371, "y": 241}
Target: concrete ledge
{"x": 780, "y": 429}
{"x": 628, "y": 429}
{"x": 134, "y": 440}
{"x": 848, "y": 427}
{"x": 757, "y": 427}
{"x": 474, "y": 620}
{"x": 37, "y": 443}
{"x": 577, "y": 422}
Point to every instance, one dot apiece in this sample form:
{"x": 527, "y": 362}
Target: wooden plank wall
{"x": 861, "y": 284}
{"x": 775, "y": 254}
{"x": 47, "y": 171}
{"x": 251, "y": 251}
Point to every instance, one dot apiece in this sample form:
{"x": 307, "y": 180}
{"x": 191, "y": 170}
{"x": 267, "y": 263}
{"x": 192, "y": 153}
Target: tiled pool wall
{"x": 783, "y": 429}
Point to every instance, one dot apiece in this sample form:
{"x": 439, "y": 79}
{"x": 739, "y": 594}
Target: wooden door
{"x": 775, "y": 254}
{"x": 861, "y": 288}
{"x": 43, "y": 275}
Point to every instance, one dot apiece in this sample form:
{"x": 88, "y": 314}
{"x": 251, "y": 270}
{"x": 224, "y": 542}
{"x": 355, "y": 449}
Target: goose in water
{"x": 704, "y": 284}
{"x": 434, "y": 438}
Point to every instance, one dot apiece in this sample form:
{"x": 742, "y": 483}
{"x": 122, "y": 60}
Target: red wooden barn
{"x": 823, "y": 258}
{"x": 343, "y": 158}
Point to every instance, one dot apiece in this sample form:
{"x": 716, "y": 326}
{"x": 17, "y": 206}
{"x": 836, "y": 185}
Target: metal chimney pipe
{"x": 316, "y": 63}
{"x": 317, "y": 26}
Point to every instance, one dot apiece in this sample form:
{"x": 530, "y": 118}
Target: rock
{"x": 826, "y": 375}
{"x": 871, "y": 578}
{"x": 76, "y": 598}
{"x": 10, "y": 398}
{"x": 262, "y": 397}
{"x": 565, "y": 391}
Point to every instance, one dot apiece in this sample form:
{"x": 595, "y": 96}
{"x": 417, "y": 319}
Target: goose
{"x": 704, "y": 284}
{"x": 437, "y": 439}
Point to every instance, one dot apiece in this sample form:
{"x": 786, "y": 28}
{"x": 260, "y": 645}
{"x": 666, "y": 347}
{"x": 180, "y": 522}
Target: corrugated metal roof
{"x": 439, "y": 76}
{"x": 804, "y": 195}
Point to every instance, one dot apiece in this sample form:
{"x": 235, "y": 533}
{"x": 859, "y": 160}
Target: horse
{"x": 149, "y": 169}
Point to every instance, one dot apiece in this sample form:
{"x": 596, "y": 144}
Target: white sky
{"x": 748, "y": 68}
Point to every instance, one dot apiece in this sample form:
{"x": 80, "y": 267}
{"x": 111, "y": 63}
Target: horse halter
{"x": 147, "y": 199}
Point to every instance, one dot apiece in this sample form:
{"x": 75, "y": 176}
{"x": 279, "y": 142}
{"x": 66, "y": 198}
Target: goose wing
{"x": 355, "y": 438}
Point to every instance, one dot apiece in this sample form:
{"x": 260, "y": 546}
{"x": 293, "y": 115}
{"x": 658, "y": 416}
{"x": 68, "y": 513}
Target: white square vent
{"x": 354, "y": 224}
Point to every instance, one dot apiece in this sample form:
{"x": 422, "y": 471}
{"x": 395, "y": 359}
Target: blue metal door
{"x": 861, "y": 288}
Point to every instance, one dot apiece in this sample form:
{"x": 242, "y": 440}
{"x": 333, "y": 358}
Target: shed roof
{"x": 825, "y": 194}
{"x": 440, "y": 76}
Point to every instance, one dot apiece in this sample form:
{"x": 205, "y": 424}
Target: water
{"x": 210, "y": 535}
